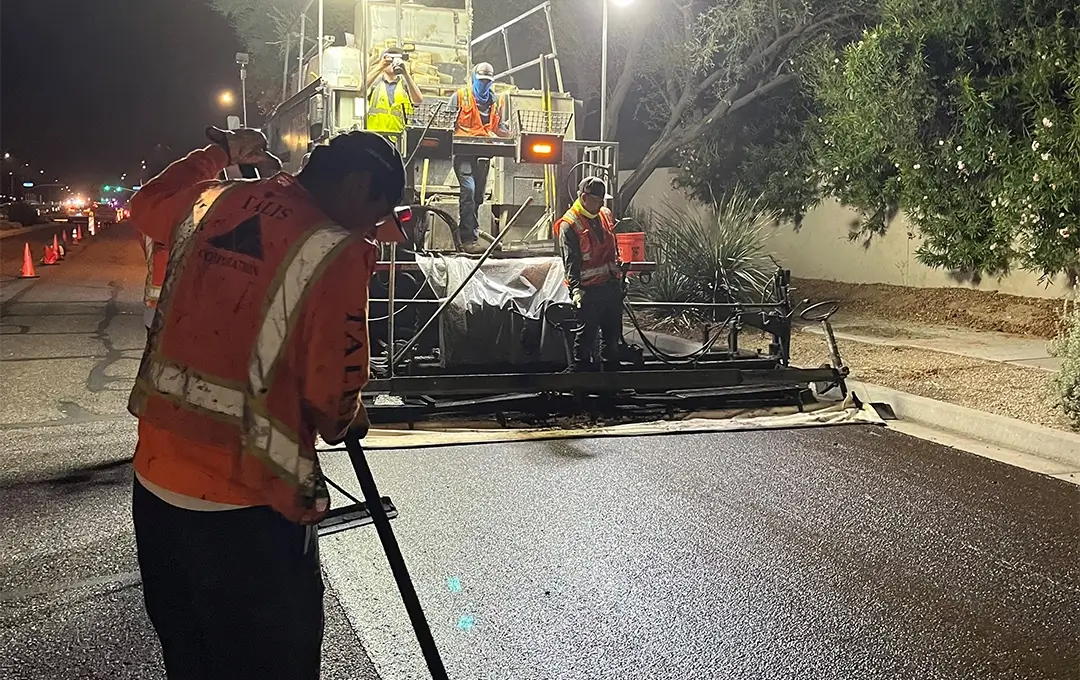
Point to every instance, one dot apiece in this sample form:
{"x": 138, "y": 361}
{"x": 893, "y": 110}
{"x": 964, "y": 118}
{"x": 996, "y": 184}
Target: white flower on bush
{"x": 917, "y": 166}
{"x": 1047, "y": 122}
{"x": 1064, "y": 233}
{"x": 993, "y": 246}
{"x": 1035, "y": 145}
{"x": 1061, "y": 214}
{"x": 959, "y": 148}
{"x": 993, "y": 203}
{"x": 1034, "y": 219}
{"x": 960, "y": 165}
{"x": 1053, "y": 186}
{"x": 941, "y": 142}
{"x": 1035, "y": 177}
{"x": 1045, "y": 156}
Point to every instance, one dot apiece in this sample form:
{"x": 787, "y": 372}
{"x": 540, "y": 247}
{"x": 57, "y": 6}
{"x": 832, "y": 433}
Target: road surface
{"x": 845, "y": 552}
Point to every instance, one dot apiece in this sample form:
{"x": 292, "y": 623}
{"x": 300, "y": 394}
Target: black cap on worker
{"x": 362, "y": 151}
{"x": 594, "y": 186}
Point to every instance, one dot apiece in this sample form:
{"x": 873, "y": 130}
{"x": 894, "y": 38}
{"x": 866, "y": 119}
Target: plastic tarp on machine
{"x": 497, "y": 318}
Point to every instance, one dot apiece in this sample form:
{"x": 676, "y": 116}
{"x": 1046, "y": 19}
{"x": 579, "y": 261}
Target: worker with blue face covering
{"x": 481, "y": 113}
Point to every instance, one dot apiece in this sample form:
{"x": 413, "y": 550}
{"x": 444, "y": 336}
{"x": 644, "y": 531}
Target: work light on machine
{"x": 544, "y": 148}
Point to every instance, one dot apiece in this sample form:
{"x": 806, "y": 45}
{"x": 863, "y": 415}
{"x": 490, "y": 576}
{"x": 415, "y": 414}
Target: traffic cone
{"x": 78, "y": 234}
{"x": 56, "y": 248}
{"x": 27, "y": 265}
{"x": 49, "y": 258}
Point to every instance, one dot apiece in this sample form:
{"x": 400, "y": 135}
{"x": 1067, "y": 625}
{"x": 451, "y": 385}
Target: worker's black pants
{"x": 601, "y": 315}
{"x": 233, "y": 594}
{"x": 472, "y": 175}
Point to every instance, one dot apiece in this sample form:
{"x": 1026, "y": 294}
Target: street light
{"x": 6, "y": 155}
{"x": 226, "y": 98}
{"x": 242, "y": 59}
{"x": 603, "y": 67}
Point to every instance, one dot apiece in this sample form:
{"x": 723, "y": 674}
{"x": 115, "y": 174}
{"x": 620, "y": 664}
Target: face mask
{"x": 580, "y": 207}
{"x": 481, "y": 88}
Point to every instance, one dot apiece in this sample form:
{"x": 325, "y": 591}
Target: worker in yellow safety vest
{"x": 391, "y": 94}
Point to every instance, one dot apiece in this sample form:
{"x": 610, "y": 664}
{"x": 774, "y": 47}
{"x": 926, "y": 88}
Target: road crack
{"x": 98, "y": 380}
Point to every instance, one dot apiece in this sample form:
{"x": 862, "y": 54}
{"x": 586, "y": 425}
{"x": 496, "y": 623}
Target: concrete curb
{"x": 11, "y": 233}
{"x": 1032, "y": 447}
{"x": 1008, "y": 433}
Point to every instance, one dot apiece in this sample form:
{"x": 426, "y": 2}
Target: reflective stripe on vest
{"x": 151, "y": 292}
{"x": 261, "y": 437}
{"x": 286, "y": 299}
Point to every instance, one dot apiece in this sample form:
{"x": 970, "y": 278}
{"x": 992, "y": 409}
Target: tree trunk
{"x": 653, "y": 157}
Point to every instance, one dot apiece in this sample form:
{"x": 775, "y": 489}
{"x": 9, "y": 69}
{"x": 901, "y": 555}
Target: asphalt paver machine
{"x": 456, "y": 334}
{"x": 487, "y": 336}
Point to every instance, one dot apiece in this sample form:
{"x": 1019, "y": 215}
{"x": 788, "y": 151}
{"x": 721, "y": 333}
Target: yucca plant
{"x": 709, "y": 252}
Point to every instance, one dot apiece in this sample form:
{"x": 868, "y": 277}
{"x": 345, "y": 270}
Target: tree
{"x": 966, "y": 114}
{"x": 761, "y": 149}
{"x": 704, "y": 62}
{"x": 263, "y": 25}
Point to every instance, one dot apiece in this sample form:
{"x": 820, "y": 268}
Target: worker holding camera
{"x": 392, "y": 96}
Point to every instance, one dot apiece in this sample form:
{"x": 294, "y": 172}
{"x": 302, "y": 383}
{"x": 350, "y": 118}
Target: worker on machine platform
{"x": 391, "y": 94}
{"x": 259, "y": 344}
{"x": 481, "y": 113}
{"x": 586, "y": 235}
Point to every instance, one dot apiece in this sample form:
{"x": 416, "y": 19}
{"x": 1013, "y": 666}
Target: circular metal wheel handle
{"x": 820, "y": 311}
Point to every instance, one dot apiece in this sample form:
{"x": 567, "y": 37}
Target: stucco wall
{"x": 821, "y": 250}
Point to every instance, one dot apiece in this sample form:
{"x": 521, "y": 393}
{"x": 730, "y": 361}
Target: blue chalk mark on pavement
{"x": 466, "y": 622}
{"x": 454, "y": 584}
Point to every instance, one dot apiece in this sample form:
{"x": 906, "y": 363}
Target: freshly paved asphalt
{"x": 845, "y": 552}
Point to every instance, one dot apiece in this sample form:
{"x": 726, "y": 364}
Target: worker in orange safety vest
{"x": 259, "y": 344}
{"x": 586, "y": 234}
{"x": 481, "y": 113}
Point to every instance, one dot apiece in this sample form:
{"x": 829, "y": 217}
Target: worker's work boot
{"x": 473, "y": 248}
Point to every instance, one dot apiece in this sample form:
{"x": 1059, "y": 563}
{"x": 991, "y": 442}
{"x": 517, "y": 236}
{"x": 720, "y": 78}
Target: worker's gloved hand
{"x": 577, "y": 296}
{"x": 245, "y": 147}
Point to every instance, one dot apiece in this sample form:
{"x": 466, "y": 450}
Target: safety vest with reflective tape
{"x": 599, "y": 259}
{"x": 384, "y": 115}
{"x": 469, "y": 121}
{"x": 248, "y": 408}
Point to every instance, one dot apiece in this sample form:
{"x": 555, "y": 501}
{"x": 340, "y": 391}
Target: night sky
{"x": 90, "y": 86}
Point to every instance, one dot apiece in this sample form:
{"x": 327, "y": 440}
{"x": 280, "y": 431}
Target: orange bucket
{"x": 631, "y": 246}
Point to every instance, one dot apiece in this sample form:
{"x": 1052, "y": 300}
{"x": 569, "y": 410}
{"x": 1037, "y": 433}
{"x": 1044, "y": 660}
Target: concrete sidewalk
{"x": 1019, "y": 350}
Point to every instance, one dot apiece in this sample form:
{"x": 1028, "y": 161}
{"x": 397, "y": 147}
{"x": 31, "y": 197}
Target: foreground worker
{"x": 258, "y": 344}
{"x": 591, "y": 259}
{"x": 481, "y": 113}
{"x": 391, "y": 96}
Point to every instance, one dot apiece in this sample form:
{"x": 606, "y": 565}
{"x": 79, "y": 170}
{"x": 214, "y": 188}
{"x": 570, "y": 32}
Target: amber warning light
{"x": 543, "y": 148}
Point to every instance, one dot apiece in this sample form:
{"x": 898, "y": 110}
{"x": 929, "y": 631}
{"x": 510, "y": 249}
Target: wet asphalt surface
{"x": 843, "y": 552}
